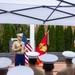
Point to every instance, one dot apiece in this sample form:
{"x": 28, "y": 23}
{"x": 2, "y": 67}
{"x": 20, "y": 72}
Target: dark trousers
{"x": 19, "y": 59}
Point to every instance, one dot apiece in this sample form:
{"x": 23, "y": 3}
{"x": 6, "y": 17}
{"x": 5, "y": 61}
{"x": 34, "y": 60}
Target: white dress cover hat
{"x": 68, "y": 54}
{"x": 20, "y": 34}
{"x": 20, "y": 70}
{"x": 4, "y": 62}
{"x": 48, "y": 58}
{"x": 32, "y": 54}
{"x": 73, "y": 60}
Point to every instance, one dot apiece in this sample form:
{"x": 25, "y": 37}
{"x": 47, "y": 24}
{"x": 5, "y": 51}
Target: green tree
{"x": 68, "y": 38}
{"x": 6, "y": 37}
{"x": 28, "y": 32}
{"x": 73, "y": 38}
{"x": 0, "y": 45}
{"x": 52, "y": 39}
{"x": 48, "y": 28}
{"x": 17, "y": 26}
{"x": 1, "y": 33}
{"x": 40, "y": 34}
{"x": 13, "y": 31}
{"x": 60, "y": 39}
{"x": 22, "y": 28}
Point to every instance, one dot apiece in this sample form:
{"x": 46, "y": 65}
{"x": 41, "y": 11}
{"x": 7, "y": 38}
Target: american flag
{"x": 28, "y": 46}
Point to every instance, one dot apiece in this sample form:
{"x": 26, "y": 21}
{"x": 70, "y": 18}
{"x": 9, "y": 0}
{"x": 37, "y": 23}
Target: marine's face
{"x": 19, "y": 38}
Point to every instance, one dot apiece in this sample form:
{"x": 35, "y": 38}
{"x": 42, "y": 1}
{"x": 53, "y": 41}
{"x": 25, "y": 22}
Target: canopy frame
{"x": 44, "y": 6}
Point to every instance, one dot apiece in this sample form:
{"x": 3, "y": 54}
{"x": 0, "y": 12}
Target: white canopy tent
{"x": 53, "y": 12}
{"x": 48, "y": 12}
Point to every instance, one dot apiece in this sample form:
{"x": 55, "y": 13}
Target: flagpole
{"x": 32, "y": 40}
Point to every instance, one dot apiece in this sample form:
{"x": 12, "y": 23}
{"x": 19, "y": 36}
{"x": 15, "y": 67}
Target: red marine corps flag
{"x": 42, "y": 48}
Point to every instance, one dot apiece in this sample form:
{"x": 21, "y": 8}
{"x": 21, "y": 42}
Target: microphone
{"x": 20, "y": 46}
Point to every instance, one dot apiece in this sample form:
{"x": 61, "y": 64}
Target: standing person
{"x": 48, "y": 63}
{"x": 69, "y": 69}
{"x": 19, "y": 48}
{"x": 32, "y": 62}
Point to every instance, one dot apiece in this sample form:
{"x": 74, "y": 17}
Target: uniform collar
{"x": 49, "y": 73}
{"x": 31, "y": 65}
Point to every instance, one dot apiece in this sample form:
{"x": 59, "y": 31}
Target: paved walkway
{"x": 58, "y": 67}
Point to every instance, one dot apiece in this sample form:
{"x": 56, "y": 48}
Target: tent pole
{"x": 32, "y": 40}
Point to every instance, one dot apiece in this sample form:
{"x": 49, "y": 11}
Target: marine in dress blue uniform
{"x": 19, "y": 49}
